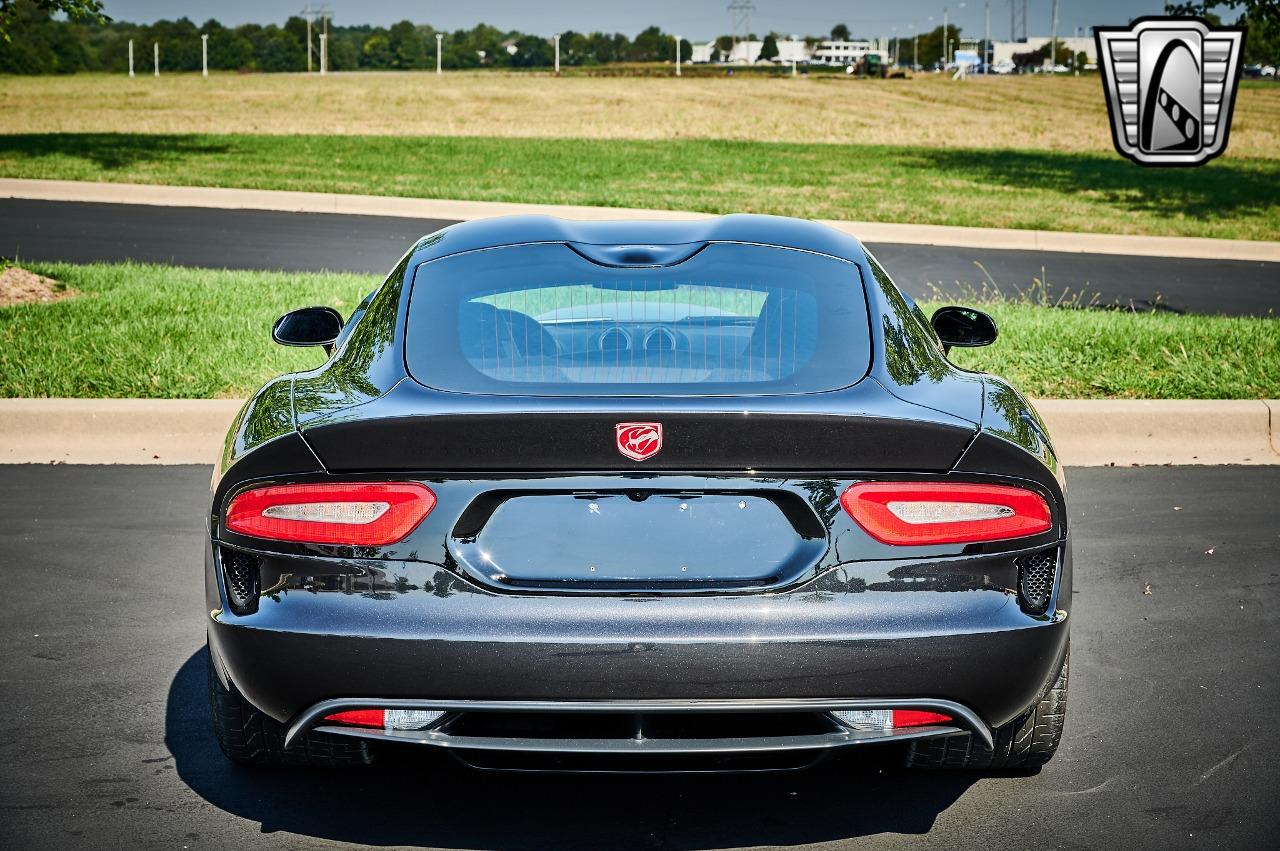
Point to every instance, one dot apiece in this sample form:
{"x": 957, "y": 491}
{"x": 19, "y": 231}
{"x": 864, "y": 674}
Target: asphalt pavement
{"x": 254, "y": 239}
{"x": 1170, "y": 738}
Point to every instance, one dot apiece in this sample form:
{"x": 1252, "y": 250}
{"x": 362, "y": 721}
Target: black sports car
{"x": 660, "y": 496}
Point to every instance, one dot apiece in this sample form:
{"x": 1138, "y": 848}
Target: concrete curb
{"x": 416, "y": 208}
{"x": 1086, "y": 432}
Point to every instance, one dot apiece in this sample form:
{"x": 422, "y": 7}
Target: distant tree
{"x": 1064, "y": 53}
{"x": 533, "y": 52}
{"x": 280, "y": 51}
{"x": 1030, "y": 59}
{"x": 724, "y": 44}
{"x": 376, "y": 51}
{"x": 574, "y": 49}
{"x": 930, "y": 48}
{"x": 408, "y": 50}
{"x": 1262, "y": 43}
{"x": 651, "y": 46}
{"x": 75, "y": 10}
{"x": 1257, "y": 11}
{"x": 840, "y": 32}
{"x": 769, "y": 50}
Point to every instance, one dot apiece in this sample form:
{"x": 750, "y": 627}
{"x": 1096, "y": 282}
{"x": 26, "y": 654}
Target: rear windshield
{"x": 543, "y": 320}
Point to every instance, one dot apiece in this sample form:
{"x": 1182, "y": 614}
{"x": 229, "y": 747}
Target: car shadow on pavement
{"x": 414, "y": 798}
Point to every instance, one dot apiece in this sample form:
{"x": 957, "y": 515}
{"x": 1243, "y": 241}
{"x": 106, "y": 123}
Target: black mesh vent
{"x": 1035, "y": 580}
{"x": 240, "y": 573}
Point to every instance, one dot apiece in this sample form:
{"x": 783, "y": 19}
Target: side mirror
{"x": 963, "y": 326}
{"x": 308, "y": 326}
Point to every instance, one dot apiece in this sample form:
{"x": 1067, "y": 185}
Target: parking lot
{"x": 1170, "y": 736}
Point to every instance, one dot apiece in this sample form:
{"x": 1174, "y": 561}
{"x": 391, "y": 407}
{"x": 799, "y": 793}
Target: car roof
{"x": 778, "y": 231}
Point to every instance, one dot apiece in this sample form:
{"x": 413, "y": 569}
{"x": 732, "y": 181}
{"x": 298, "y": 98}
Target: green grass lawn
{"x": 1233, "y": 198}
{"x": 165, "y": 332}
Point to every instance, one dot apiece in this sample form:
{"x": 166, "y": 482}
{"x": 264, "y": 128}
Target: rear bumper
{"x": 436, "y": 637}
{"x": 820, "y": 731}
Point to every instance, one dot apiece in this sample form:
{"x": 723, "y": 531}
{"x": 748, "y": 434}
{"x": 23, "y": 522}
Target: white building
{"x": 846, "y": 52}
{"x": 748, "y": 52}
{"x": 702, "y": 53}
{"x": 1002, "y": 51}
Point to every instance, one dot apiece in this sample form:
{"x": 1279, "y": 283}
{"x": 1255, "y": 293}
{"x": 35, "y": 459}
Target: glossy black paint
{"x": 839, "y": 615}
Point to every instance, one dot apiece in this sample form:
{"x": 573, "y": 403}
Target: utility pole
{"x": 307, "y": 12}
{"x": 130, "y": 57}
{"x": 439, "y": 41}
{"x": 557, "y": 38}
{"x": 204, "y": 55}
{"x": 156, "y": 53}
{"x": 946, "y": 39}
{"x": 1053, "y": 43}
{"x": 740, "y": 19}
{"x": 677, "y": 56}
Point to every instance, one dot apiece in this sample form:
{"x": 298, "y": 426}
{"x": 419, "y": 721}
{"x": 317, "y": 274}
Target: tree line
{"x": 32, "y": 41}
{"x": 40, "y": 44}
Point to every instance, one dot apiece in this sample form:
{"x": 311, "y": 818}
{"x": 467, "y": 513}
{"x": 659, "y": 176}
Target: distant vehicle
{"x": 1252, "y": 71}
{"x": 655, "y": 495}
{"x": 870, "y": 65}
{"x": 1004, "y": 66}
{"x": 1268, "y": 70}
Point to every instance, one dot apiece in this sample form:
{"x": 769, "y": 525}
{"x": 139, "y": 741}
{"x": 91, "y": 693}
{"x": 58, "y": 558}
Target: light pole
{"x": 130, "y": 57}
{"x": 986, "y": 40}
{"x": 324, "y": 53}
{"x": 204, "y": 55}
{"x": 915, "y": 47}
{"x": 894, "y": 55}
{"x": 1053, "y": 42}
{"x": 677, "y": 56}
{"x": 156, "y": 55}
{"x": 557, "y": 38}
{"x": 946, "y": 38}
{"x": 439, "y": 41}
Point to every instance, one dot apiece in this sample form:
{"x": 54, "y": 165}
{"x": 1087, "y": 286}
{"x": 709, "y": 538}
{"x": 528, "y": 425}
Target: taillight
{"x": 387, "y": 719}
{"x": 890, "y": 719}
{"x": 357, "y": 513}
{"x": 916, "y": 513}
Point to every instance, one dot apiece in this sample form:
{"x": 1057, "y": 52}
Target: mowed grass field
{"x": 165, "y": 332}
{"x": 930, "y": 110}
{"x": 1020, "y": 152}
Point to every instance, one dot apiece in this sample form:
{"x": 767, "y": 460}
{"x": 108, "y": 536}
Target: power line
{"x": 740, "y": 19}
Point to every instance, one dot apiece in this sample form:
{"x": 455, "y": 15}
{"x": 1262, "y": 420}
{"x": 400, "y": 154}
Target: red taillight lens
{"x": 357, "y": 513}
{"x": 916, "y": 513}
{"x": 918, "y": 718}
{"x": 359, "y": 718}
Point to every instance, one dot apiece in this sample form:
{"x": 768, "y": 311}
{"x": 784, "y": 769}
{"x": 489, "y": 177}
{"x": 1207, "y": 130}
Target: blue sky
{"x": 694, "y": 19}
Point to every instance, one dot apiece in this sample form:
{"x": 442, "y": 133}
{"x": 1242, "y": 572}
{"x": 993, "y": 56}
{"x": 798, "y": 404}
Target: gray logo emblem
{"x": 1170, "y": 84}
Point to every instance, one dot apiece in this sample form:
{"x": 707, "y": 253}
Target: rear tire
{"x": 1025, "y": 743}
{"x": 249, "y": 737}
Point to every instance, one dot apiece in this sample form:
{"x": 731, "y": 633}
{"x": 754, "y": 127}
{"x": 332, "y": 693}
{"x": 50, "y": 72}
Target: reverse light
{"x": 918, "y": 513}
{"x": 890, "y": 719}
{"x": 366, "y": 514}
{"x": 386, "y": 719}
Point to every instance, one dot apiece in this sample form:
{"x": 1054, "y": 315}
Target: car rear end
{"x": 663, "y": 515}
